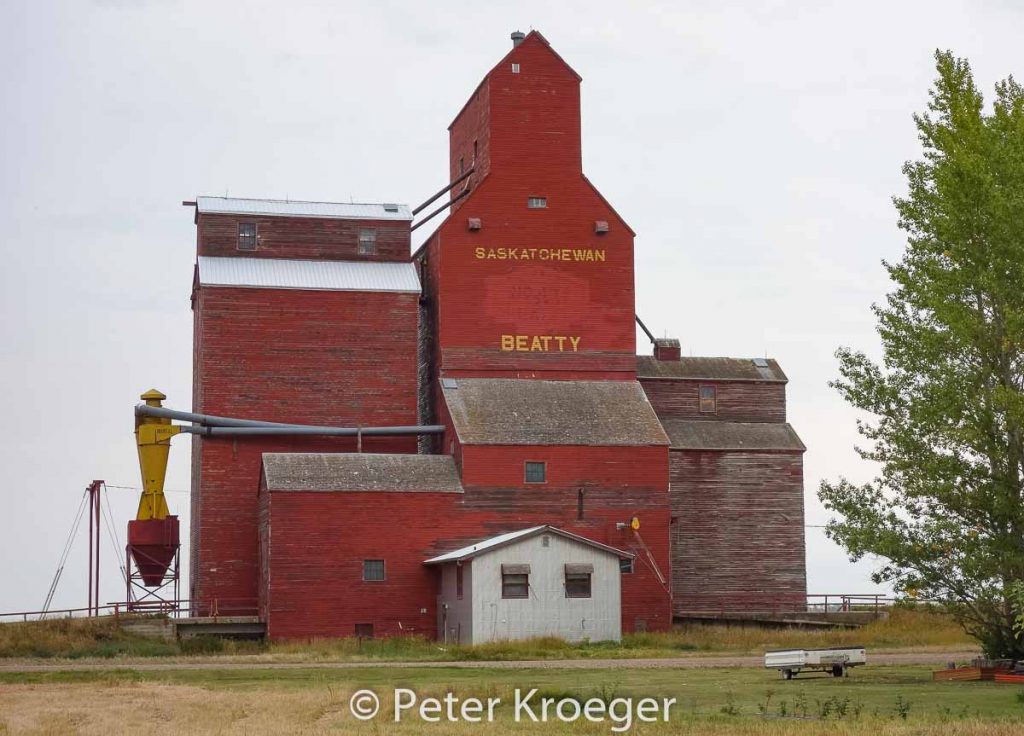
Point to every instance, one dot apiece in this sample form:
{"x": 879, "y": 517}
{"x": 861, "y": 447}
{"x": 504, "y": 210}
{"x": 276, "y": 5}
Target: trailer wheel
{"x": 788, "y": 674}
{"x": 837, "y": 670}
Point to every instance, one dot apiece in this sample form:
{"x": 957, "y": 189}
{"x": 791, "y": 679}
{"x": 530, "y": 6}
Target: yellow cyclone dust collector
{"x": 153, "y": 536}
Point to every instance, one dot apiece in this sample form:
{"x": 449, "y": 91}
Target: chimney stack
{"x": 666, "y": 348}
{"x": 517, "y": 38}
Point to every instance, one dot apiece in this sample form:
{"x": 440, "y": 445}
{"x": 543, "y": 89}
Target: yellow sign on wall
{"x": 540, "y": 343}
{"x": 572, "y": 255}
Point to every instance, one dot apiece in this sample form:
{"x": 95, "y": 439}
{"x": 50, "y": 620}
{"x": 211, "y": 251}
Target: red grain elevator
{"x": 513, "y": 328}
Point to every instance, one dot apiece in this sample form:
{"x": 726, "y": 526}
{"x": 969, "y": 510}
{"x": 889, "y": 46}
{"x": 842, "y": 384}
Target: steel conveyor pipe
{"x": 298, "y": 430}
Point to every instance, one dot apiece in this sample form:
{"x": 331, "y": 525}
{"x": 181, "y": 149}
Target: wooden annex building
{"x": 494, "y": 380}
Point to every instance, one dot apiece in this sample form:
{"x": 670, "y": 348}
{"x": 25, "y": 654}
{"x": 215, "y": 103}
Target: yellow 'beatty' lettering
{"x": 540, "y": 343}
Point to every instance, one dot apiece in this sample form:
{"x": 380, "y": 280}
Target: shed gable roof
{"x": 355, "y": 472}
{"x": 510, "y": 411}
{"x": 485, "y": 546}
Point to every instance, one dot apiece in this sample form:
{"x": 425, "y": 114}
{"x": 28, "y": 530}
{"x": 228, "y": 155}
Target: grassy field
{"x": 75, "y": 639}
{"x": 873, "y": 700}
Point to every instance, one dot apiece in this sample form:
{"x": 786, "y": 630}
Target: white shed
{"x": 540, "y": 581}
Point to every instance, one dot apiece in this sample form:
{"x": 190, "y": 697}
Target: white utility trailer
{"x": 837, "y": 661}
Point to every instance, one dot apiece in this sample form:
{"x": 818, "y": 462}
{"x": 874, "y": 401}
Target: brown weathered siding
{"x": 737, "y": 532}
{"x": 738, "y": 401}
{"x": 309, "y": 238}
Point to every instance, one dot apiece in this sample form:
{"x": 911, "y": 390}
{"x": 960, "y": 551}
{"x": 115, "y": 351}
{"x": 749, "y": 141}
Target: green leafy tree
{"x": 946, "y": 403}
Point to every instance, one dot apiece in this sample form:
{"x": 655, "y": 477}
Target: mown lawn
{"x": 876, "y": 700}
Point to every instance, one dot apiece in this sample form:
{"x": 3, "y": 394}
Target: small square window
{"x": 247, "y": 236}
{"x": 373, "y": 570}
{"x": 367, "y": 242}
{"x": 577, "y": 584}
{"x": 708, "y": 400}
{"x": 626, "y": 566}
{"x": 536, "y": 472}
{"x": 515, "y": 585}
{"x": 537, "y": 203}
{"x": 515, "y": 68}
{"x": 364, "y": 631}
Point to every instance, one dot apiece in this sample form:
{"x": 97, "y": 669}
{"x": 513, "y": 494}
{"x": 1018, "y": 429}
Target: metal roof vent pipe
{"x": 517, "y": 38}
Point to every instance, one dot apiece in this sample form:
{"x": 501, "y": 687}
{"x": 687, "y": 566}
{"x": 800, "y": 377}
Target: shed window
{"x": 367, "y": 241}
{"x": 458, "y": 581}
{"x": 536, "y": 472}
{"x": 537, "y": 203}
{"x": 708, "y": 400}
{"x": 364, "y": 631}
{"x": 373, "y": 570}
{"x": 515, "y": 581}
{"x": 577, "y": 580}
{"x": 247, "y": 236}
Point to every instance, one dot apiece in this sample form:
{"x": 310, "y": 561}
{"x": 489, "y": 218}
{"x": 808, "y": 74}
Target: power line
{"x": 137, "y": 488}
{"x": 108, "y": 520}
{"x": 64, "y": 554}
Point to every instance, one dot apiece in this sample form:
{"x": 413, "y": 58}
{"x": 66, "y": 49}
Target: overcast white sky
{"x": 753, "y": 146}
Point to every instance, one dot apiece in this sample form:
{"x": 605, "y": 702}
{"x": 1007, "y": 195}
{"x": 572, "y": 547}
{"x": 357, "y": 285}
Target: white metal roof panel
{"x": 283, "y": 273}
{"x": 501, "y": 540}
{"x": 290, "y": 208}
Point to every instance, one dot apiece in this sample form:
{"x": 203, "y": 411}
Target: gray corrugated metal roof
{"x": 302, "y": 471}
{"x": 487, "y": 545}
{"x": 290, "y": 208}
{"x": 506, "y": 411}
{"x": 713, "y": 369}
{"x": 284, "y": 273}
{"x": 686, "y": 434}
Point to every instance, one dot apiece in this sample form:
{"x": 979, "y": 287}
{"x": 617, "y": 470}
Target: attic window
{"x": 515, "y": 68}
{"x": 247, "y": 236}
{"x": 537, "y": 203}
{"x": 708, "y": 400}
{"x": 367, "y": 242}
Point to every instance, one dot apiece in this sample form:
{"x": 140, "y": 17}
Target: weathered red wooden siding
{"x": 310, "y": 238}
{"x": 737, "y": 532}
{"x": 641, "y": 468}
{"x": 315, "y": 582}
{"x": 471, "y": 130}
{"x": 311, "y": 357}
{"x": 528, "y": 130}
{"x": 738, "y": 401}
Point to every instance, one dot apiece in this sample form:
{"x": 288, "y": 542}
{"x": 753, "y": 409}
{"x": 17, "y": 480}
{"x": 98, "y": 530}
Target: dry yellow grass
{"x": 120, "y": 707}
{"x": 905, "y": 629}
